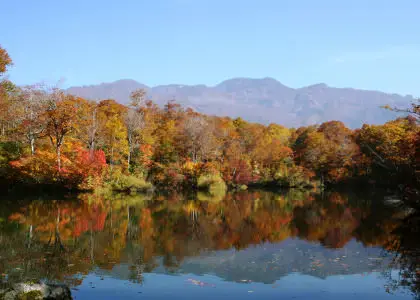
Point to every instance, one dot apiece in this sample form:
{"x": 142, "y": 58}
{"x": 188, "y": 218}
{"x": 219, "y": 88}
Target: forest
{"x": 51, "y": 138}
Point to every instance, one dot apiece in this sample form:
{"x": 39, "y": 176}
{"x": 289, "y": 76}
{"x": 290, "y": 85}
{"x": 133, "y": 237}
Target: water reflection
{"x": 247, "y": 236}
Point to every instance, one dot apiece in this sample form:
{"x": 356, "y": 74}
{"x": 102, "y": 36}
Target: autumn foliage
{"x": 67, "y": 140}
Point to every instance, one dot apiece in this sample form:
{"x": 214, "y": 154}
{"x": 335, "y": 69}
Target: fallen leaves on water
{"x": 199, "y": 283}
{"x": 316, "y": 264}
{"x": 246, "y": 280}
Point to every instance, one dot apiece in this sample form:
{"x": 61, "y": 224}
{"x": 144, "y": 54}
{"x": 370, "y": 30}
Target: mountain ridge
{"x": 264, "y": 100}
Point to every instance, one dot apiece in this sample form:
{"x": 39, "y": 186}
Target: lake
{"x": 245, "y": 245}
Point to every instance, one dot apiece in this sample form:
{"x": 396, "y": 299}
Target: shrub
{"x": 89, "y": 168}
{"x": 191, "y": 170}
{"x": 83, "y": 169}
{"x": 9, "y": 151}
{"x": 125, "y": 183}
{"x": 213, "y": 183}
{"x": 294, "y": 177}
{"x": 243, "y": 187}
{"x": 167, "y": 177}
{"x": 239, "y": 172}
{"x": 39, "y": 168}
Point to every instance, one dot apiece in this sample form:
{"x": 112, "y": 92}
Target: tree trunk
{"x": 59, "y": 158}
{"x": 91, "y": 149}
{"x": 194, "y": 154}
{"x": 30, "y": 237}
{"x": 32, "y": 146}
{"x": 130, "y": 150}
{"x": 111, "y": 160}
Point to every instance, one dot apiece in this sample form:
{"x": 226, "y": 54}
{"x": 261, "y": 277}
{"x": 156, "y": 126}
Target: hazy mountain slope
{"x": 119, "y": 90}
{"x": 262, "y": 100}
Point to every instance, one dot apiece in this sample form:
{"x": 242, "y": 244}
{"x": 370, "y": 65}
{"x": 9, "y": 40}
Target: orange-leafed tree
{"x": 5, "y": 87}
{"x": 330, "y": 151}
{"x": 113, "y": 132}
{"x": 60, "y": 118}
{"x": 5, "y": 60}
{"x": 392, "y": 145}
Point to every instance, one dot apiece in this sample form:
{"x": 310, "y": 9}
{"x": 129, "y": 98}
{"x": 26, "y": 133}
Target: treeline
{"x": 49, "y": 137}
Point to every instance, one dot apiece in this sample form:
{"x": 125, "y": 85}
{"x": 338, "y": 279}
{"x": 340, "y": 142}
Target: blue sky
{"x": 371, "y": 44}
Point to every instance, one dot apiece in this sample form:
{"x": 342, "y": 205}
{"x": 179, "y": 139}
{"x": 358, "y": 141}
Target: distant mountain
{"x": 262, "y": 100}
{"x": 119, "y": 90}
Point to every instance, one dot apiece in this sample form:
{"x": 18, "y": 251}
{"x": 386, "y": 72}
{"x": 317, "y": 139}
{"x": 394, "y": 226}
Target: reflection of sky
{"x": 293, "y": 286}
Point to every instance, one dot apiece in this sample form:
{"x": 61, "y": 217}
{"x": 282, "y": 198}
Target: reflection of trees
{"x": 406, "y": 248}
{"x": 331, "y": 221}
{"x": 58, "y": 239}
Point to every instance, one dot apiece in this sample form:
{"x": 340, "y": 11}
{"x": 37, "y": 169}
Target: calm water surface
{"x": 256, "y": 245}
